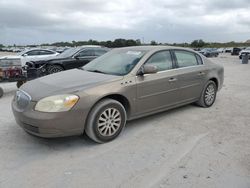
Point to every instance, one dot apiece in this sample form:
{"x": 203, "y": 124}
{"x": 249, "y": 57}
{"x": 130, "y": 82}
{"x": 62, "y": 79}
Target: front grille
{"x": 22, "y": 99}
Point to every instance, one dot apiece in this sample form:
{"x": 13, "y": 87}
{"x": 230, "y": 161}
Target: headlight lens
{"x": 57, "y": 103}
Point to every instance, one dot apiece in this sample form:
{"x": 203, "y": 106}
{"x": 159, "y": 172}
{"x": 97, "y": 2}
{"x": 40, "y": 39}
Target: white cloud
{"x": 161, "y": 20}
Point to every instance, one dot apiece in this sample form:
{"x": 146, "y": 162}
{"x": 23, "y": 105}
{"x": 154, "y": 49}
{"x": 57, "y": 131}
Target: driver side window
{"x": 162, "y": 60}
{"x": 33, "y": 52}
{"x": 85, "y": 53}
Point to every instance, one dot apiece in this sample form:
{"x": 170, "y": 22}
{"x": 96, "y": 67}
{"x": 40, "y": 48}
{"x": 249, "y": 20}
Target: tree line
{"x": 110, "y": 44}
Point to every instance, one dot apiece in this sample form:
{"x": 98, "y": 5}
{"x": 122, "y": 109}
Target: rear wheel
{"x": 208, "y": 95}
{"x": 54, "y": 69}
{"x": 106, "y": 121}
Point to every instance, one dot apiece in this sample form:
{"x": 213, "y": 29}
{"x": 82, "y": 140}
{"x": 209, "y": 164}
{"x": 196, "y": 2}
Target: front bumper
{"x": 49, "y": 125}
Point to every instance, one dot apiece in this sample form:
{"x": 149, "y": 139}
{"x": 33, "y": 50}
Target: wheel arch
{"x": 58, "y": 64}
{"x": 120, "y": 98}
{"x": 115, "y": 96}
{"x": 216, "y": 81}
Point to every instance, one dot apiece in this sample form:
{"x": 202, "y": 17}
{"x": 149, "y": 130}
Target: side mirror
{"x": 148, "y": 69}
{"x": 24, "y": 55}
{"x": 76, "y": 57}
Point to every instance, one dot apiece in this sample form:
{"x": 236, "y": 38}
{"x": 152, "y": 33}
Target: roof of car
{"x": 90, "y": 46}
{"x": 31, "y": 49}
{"x": 149, "y": 48}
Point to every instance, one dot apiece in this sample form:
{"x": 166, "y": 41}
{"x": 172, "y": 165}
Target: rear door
{"x": 191, "y": 75}
{"x": 84, "y": 57}
{"x": 156, "y": 91}
{"x": 30, "y": 56}
{"x": 46, "y": 54}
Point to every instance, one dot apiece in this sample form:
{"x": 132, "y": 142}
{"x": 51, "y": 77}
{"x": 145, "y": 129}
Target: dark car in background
{"x": 236, "y": 51}
{"x": 70, "y": 58}
{"x": 209, "y": 52}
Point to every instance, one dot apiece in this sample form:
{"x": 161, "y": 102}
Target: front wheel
{"x": 208, "y": 95}
{"x": 106, "y": 121}
{"x": 1, "y": 92}
{"x": 54, "y": 69}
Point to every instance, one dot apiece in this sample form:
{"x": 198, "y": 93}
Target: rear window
{"x": 100, "y": 52}
{"x": 45, "y": 52}
{"x": 185, "y": 58}
{"x": 199, "y": 60}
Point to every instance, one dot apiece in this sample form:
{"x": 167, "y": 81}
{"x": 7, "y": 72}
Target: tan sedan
{"x": 123, "y": 84}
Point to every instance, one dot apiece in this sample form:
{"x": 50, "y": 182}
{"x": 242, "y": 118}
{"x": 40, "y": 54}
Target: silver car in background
{"x": 25, "y": 56}
{"x": 124, "y": 84}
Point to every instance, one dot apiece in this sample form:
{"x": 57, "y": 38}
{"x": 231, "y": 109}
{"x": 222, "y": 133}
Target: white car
{"x": 221, "y": 50}
{"x": 26, "y": 56}
{"x": 245, "y": 51}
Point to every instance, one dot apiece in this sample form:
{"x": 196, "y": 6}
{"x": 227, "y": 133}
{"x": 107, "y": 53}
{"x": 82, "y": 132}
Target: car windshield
{"x": 69, "y": 52}
{"x": 115, "y": 62}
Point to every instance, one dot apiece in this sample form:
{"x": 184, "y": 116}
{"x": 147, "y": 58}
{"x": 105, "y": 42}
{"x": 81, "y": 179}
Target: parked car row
{"x": 209, "y": 52}
{"x": 236, "y": 51}
{"x": 71, "y": 58}
{"x": 20, "y": 49}
{"x": 34, "y": 63}
{"x": 214, "y": 52}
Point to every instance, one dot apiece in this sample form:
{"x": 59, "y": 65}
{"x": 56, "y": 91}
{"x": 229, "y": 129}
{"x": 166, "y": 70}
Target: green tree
{"x": 153, "y": 43}
{"x": 198, "y": 43}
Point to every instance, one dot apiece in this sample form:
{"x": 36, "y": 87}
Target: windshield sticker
{"x": 134, "y": 53}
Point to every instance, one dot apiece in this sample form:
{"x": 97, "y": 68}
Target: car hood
{"x": 52, "y": 59}
{"x": 65, "y": 82}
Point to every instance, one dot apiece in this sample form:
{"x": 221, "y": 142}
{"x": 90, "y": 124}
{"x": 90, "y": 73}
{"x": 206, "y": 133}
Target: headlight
{"x": 57, "y": 103}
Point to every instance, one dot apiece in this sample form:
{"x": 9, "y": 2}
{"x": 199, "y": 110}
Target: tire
{"x": 1, "y": 92}
{"x": 19, "y": 83}
{"x": 208, "y": 95}
{"x": 106, "y": 121}
{"x": 51, "y": 69}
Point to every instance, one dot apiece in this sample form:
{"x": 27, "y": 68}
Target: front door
{"x": 85, "y": 57}
{"x": 159, "y": 90}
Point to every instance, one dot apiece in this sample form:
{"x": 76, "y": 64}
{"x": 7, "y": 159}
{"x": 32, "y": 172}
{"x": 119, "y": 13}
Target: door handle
{"x": 201, "y": 73}
{"x": 172, "y": 80}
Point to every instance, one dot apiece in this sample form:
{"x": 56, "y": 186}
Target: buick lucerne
{"x": 123, "y": 84}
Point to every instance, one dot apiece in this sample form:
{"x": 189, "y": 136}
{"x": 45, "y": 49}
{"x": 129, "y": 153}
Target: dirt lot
{"x": 186, "y": 147}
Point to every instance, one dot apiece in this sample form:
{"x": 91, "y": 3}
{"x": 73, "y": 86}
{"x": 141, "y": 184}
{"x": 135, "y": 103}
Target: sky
{"x": 168, "y": 21}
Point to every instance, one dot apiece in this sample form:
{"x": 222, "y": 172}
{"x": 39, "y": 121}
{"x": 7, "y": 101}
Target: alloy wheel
{"x": 210, "y": 94}
{"x": 109, "y": 122}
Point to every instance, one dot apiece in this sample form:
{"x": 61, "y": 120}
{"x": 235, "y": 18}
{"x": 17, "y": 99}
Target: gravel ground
{"x": 185, "y": 147}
